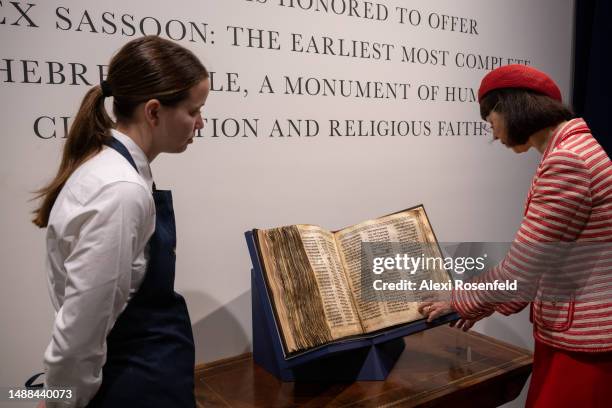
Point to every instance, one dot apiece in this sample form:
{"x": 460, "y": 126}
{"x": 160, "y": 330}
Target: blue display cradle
{"x": 364, "y": 358}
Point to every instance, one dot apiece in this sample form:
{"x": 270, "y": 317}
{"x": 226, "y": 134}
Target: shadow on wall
{"x": 222, "y": 333}
{"x": 515, "y": 329}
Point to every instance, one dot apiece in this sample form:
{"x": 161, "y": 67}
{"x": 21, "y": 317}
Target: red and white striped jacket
{"x": 570, "y": 201}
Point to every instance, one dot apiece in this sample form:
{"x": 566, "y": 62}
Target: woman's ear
{"x": 151, "y": 111}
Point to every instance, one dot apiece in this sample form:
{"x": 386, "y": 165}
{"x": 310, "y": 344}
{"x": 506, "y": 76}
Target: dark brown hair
{"x": 525, "y": 112}
{"x": 145, "y": 68}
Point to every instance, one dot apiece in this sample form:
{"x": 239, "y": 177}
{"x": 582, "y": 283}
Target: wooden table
{"x": 442, "y": 367}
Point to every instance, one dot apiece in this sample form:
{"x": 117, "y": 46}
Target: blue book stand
{"x": 363, "y": 358}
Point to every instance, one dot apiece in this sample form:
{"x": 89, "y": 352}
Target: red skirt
{"x": 570, "y": 379}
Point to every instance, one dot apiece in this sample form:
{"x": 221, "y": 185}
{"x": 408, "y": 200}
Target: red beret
{"x": 519, "y": 76}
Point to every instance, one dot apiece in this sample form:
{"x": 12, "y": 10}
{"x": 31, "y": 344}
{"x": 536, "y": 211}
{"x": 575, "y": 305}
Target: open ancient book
{"x": 315, "y": 278}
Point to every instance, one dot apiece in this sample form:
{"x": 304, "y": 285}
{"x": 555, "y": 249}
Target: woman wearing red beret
{"x": 569, "y": 202}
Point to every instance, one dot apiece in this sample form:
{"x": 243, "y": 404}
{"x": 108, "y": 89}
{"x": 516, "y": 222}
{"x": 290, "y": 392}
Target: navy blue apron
{"x": 150, "y": 352}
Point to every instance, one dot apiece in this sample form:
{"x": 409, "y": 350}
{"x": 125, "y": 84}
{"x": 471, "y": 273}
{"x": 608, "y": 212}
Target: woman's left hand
{"x": 432, "y": 310}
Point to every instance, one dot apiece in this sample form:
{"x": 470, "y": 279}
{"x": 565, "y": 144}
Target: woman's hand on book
{"x": 433, "y": 310}
{"x": 463, "y": 324}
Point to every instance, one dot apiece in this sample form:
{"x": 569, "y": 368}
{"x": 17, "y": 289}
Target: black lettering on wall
{"x": 21, "y": 17}
{"x": 110, "y": 23}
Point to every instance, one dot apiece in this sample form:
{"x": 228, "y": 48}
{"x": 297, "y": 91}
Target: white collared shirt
{"x": 96, "y": 260}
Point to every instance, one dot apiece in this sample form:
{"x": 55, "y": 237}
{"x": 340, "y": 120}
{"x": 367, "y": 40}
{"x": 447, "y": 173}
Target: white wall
{"x": 472, "y": 190}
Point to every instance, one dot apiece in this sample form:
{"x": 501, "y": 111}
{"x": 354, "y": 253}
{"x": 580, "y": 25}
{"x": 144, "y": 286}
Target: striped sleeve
{"x": 557, "y": 212}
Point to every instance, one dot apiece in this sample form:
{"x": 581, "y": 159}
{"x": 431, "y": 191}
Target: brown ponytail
{"x": 145, "y": 68}
{"x": 86, "y": 137}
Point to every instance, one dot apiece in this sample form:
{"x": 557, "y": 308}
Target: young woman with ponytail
{"x": 122, "y": 335}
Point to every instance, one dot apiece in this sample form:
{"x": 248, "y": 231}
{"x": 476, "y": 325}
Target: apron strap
{"x": 122, "y": 150}
{"x": 113, "y": 143}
